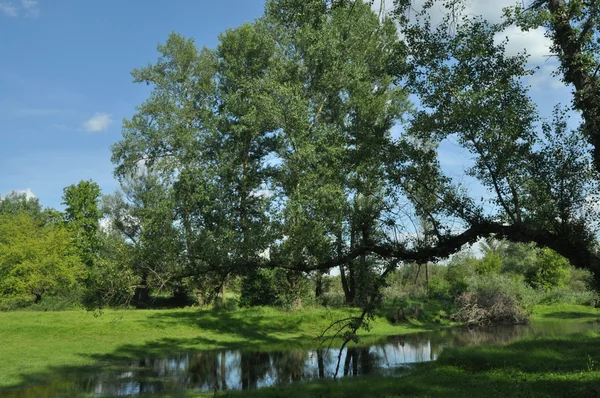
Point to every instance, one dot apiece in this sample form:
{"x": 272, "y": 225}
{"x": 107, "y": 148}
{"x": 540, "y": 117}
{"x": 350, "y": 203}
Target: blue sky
{"x": 65, "y": 81}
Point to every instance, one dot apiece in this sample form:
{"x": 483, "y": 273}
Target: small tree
{"x": 551, "y": 270}
{"x": 36, "y": 259}
{"x": 82, "y": 215}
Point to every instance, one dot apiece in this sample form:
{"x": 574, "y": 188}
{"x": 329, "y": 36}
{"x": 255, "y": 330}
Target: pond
{"x": 246, "y": 369}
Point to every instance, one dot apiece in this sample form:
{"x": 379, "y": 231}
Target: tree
{"x": 277, "y": 147}
{"x": 82, "y": 215}
{"x": 111, "y": 281}
{"x": 17, "y": 202}
{"x": 36, "y": 259}
{"x": 472, "y": 91}
{"x": 141, "y": 214}
{"x": 340, "y": 102}
{"x": 574, "y": 28}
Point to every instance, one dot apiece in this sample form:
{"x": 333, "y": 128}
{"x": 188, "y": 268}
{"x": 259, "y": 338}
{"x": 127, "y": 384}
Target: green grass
{"x": 34, "y": 346}
{"x": 565, "y": 313}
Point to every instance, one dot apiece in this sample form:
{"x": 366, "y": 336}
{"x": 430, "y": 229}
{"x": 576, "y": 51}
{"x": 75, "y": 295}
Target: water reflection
{"x": 235, "y": 369}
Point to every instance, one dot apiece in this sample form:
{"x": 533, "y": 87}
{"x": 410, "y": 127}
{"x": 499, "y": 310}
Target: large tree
{"x": 279, "y": 151}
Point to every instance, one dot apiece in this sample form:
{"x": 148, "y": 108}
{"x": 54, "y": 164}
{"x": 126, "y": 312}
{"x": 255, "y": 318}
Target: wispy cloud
{"x": 8, "y": 9}
{"x": 31, "y": 8}
{"x": 544, "y": 79}
{"x": 99, "y": 122}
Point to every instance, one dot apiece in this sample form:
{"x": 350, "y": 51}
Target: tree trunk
{"x": 427, "y": 278}
{"x": 319, "y": 285}
{"x": 142, "y": 292}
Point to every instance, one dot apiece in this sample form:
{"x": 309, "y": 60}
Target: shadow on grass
{"x": 568, "y": 315}
{"x": 252, "y": 327}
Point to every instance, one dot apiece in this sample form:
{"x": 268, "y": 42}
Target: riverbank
{"x": 38, "y": 347}
{"x": 566, "y": 366}
{"x": 34, "y": 346}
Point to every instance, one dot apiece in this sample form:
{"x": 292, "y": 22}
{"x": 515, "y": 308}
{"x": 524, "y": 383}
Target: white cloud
{"x": 28, "y": 193}
{"x": 99, "y": 122}
{"x": 8, "y": 9}
{"x": 31, "y": 8}
{"x": 543, "y": 79}
{"x": 262, "y": 193}
{"x": 534, "y": 42}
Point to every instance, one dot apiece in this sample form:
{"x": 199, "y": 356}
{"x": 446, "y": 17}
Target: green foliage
{"x": 16, "y": 203}
{"x": 278, "y": 287}
{"x": 111, "y": 279}
{"x": 551, "y": 270}
{"x": 142, "y": 240}
{"x": 440, "y": 288}
{"x": 36, "y": 259}
{"x": 461, "y": 268}
{"x": 259, "y": 288}
{"x": 276, "y": 142}
{"x": 542, "y": 268}
{"x": 82, "y": 215}
{"x": 489, "y": 264}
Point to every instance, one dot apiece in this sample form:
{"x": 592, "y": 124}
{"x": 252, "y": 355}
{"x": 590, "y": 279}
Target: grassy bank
{"x": 34, "y": 346}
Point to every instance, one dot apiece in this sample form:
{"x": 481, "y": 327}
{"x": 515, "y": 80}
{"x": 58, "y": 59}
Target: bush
{"x": 568, "y": 296}
{"x": 280, "y": 287}
{"x": 15, "y": 303}
{"x": 577, "y": 290}
{"x": 495, "y": 299}
{"x": 109, "y": 284}
{"x": 551, "y": 270}
{"x": 440, "y": 288}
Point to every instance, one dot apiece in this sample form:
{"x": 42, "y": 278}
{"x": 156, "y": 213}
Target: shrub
{"x": 440, "y": 288}
{"x": 495, "y": 299}
{"x": 551, "y": 270}
{"x": 569, "y": 296}
{"x": 15, "y": 302}
{"x": 278, "y": 287}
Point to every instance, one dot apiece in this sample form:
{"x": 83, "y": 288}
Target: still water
{"x": 242, "y": 369}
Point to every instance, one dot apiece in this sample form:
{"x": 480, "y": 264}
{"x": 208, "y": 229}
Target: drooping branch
{"x": 574, "y": 248}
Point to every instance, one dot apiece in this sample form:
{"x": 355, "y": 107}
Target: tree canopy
{"x": 294, "y": 145}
